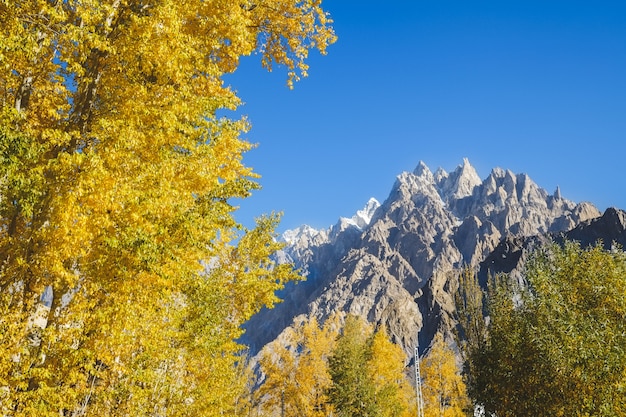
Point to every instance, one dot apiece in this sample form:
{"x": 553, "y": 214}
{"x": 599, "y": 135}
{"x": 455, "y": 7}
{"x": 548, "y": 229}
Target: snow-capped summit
{"x": 363, "y": 217}
{"x": 303, "y": 232}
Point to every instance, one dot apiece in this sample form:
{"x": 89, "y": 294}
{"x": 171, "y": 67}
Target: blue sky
{"x": 538, "y": 87}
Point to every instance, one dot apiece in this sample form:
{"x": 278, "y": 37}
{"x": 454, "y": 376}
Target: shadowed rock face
{"x": 610, "y": 229}
{"x": 399, "y": 267}
{"x": 511, "y": 253}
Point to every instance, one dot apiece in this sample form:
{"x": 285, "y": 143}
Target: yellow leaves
{"x": 367, "y": 373}
{"x": 287, "y": 32}
{"x": 116, "y": 185}
{"x": 295, "y": 369}
{"x": 443, "y": 388}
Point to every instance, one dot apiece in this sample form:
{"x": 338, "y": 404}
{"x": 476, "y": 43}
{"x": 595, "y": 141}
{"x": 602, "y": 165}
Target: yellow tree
{"x": 295, "y": 368}
{"x": 394, "y": 394}
{"x": 443, "y": 389}
{"x": 124, "y": 276}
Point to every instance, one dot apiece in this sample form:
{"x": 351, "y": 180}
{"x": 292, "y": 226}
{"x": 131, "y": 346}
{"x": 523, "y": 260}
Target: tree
{"x": 295, "y": 369}
{"x": 444, "y": 392}
{"x": 367, "y": 372}
{"x": 556, "y": 348}
{"x": 352, "y": 392}
{"x": 471, "y": 331}
{"x": 394, "y": 395}
{"x": 124, "y": 275}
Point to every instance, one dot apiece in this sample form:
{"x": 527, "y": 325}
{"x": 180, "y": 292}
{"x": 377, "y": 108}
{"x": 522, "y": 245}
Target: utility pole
{"x": 282, "y": 404}
{"x": 418, "y": 383}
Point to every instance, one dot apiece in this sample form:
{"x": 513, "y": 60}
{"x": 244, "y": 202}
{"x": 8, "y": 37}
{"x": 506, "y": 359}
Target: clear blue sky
{"x": 535, "y": 86}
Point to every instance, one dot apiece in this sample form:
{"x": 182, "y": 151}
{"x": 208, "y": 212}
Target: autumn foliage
{"x": 444, "y": 391}
{"x": 335, "y": 369}
{"x": 124, "y": 276}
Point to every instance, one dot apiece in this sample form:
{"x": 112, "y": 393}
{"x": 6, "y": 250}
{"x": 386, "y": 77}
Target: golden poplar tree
{"x": 295, "y": 368}
{"x": 444, "y": 392}
{"x": 124, "y": 275}
{"x": 394, "y": 394}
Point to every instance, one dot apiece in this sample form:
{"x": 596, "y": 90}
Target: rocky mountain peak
{"x": 304, "y": 233}
{"x": 423, "y": 171}
{"x": 363, "y": 217}
{"x": 440, "y": 175}
{"x": 610, "y": 228}
{"x": 398, "y": 266}
{"x": 460, "y": 183}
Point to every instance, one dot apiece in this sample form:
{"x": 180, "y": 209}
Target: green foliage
{"x": 314, "y": 371}
{"x": 367, "y": 372}
{"x": 353, "y": 392}
{"x": 556, "y": 348}
{"x": 471, "y": 331}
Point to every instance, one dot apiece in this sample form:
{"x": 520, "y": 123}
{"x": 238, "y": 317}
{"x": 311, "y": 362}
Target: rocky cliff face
{"x": 396, "y": 263}
{"x": 511, "y": 253}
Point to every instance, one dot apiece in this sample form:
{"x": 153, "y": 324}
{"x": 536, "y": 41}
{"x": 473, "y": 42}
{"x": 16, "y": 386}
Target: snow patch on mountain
{"x": 363, "y": 217}
{"x": 304, "y": 232}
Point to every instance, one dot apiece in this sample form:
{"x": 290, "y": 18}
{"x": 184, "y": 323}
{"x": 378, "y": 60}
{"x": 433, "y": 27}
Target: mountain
{"x": 510, "y": 254}
{"x": 395, "y": 263}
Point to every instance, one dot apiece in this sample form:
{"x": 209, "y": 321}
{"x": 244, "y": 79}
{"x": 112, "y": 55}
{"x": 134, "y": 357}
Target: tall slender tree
{"x": 445, "y": 393}
{"x": 295, "y": 369}
{"x": 394, "y": 395}
{"x": 367, "y": 371}
{"x": 352, "y": 392}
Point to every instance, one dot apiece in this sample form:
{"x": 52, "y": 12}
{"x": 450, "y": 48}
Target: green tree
{"x": 116, "y": 184}
{"x": 471, "y": 332}
{"x": 352, "y": 392}
{"x": 367, "y": 372}
{"x": 556, "y": 348}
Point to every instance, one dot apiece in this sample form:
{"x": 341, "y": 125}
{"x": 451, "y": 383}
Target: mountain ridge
{"x": 398, "y": 269}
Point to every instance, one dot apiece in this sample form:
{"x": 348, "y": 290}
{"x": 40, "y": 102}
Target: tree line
{"x": 350, "y": 370}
